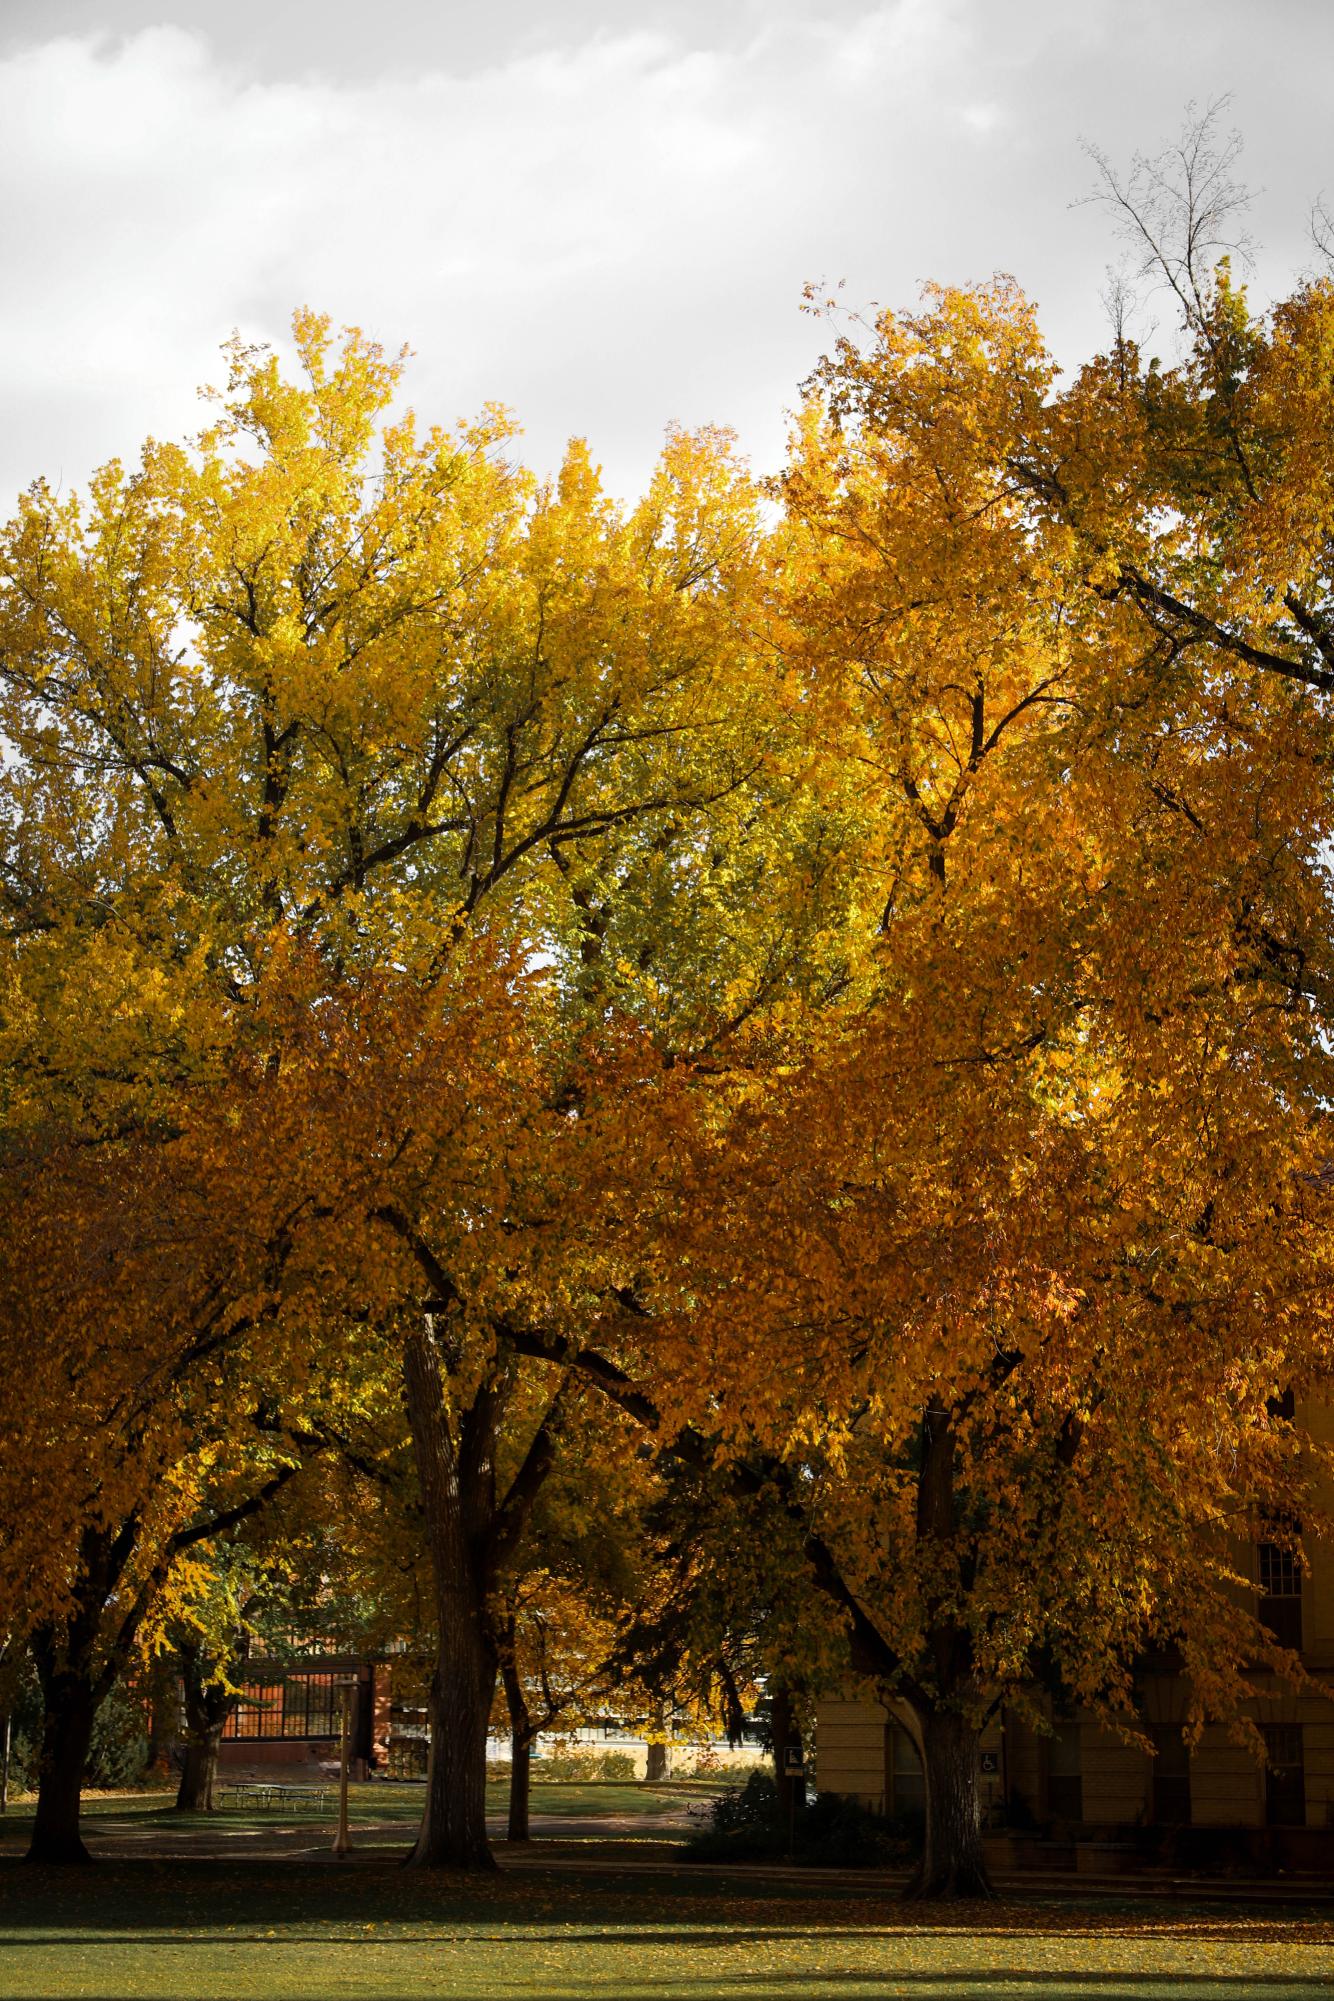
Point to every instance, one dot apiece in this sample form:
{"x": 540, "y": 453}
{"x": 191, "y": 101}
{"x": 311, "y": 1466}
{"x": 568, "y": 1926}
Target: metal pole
{"x": 4, "y": 1764}
{"x": 342, "y": 1840}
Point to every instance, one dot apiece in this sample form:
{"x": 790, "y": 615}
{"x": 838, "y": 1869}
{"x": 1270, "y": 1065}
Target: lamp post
{"x": 345, "y": 1686}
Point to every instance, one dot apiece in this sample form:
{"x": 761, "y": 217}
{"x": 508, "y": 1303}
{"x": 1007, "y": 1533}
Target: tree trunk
{"x": 521, "y": 1739}
{"x": 951, "y": 1864}
{"x": 199, "y": 1772}
{"x": 453, "y": 1830}
{"x": 207, "y": 1705}
{"x": 163, "y": 1713}
{"x": 73, "y": 1687}
{"x": 457, "y": 1474}
{"x": 783, "y": 1732}
{"x": 655, "y": 1763}
{"x": 521, "y": 1778}
{"x": 69, "y": 1708}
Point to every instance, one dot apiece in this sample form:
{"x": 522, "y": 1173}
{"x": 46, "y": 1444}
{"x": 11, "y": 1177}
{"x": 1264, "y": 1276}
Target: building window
{"x": 1285, "y": 1776}
{"x": 1280, "y": 1580}
{"x": 907, "y": 1785}
{"x": 311, "y": 1706}
{"x": 1065, "y": 1782}
{"x": 1170, "y": 1804}
{"x": 304, "y": 1705}
{"x": 259, "y": 1713}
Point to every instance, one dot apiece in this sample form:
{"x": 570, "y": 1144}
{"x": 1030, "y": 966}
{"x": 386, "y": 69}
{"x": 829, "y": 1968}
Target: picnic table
{"x": 273, "y": 1792}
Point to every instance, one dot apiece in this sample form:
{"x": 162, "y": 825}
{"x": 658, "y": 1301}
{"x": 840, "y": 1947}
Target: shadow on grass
{"x": 922, "y": 1986}
{"x": 621, "y": 1939}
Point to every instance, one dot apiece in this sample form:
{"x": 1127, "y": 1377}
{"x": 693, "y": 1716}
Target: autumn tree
{"x": 154, "y": 1419}
{"x": 850, "y": 998}
{"x": 730, "y": 1625}
{"x": 327, "y": 720}
{"x": 306, "y": 1574}
{"x": 1044, "y": 1213}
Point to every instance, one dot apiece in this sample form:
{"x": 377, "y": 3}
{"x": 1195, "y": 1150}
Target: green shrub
{"x": 830, "y": 1832}
{"x": 839, "y": 1833}
{"x": 574, "y": 1764}
{"x": 743, "y": 1823}
{"x": 118, "y": 1754}
{"x": 22, "y": 1762}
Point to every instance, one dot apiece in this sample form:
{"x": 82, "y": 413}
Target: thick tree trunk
{"x": 457, "y": 1474}
{"x": 207, "y": 1704}
{"x": 951, "y": 1864}
{"x": 199, "y": 1772}
{"x": 70, "y": 1706}
{"x": 73, "y": 1687}
{"x": 453, "y": 1830}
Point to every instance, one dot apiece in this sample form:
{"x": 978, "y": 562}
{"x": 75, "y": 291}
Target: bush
{"x": 1016, "y": 1815}
{"x": 743, "y": 1822}
{"x": 831, "y": 1832}
{"x": 118, "y": 1754}
{"x": 21, "y": 1697}
{"x": 1221, "y": 1851}
{"x": 839, "y": 1833}
{"x": 22, "y": 1762}
{"x": 572, "y": 1765}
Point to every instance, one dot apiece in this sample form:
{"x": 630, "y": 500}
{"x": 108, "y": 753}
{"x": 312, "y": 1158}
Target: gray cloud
{"x": 601, "y": 217}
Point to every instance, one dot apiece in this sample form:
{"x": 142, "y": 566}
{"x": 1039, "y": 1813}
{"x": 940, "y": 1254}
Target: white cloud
{"x": 606, "y": 236}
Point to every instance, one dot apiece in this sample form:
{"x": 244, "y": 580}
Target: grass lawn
{"x": 298, "y": 1926}
{"x": 384, "y": 1814}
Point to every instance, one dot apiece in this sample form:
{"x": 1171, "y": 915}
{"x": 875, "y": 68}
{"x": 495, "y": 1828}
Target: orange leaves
{"x": 1039, "y": 1163}
{"x": 867, "y": 964}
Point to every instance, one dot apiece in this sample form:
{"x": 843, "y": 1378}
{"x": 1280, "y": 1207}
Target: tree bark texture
{"x": 73, "y": 1686}
{"x": 456, "y": 1467}
{"x": 207, "y": 1704}
{"x": 70, "y": 1702}
{"x": 952, "y": 1864}
{"x": 199, "y": 1772}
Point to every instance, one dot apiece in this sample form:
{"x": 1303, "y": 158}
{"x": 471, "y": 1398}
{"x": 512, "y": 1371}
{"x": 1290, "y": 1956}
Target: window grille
{"x": 1280, "y": 1607}
{"x": 1065, "y": 1779}
{"x": 1285, "y": 1776}
{"x": 303, "y": 1705}
{"x": 907, "y": 1783}
{"x": 1171, "y": 1777}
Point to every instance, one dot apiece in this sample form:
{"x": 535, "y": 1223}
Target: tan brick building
{"x": 1079, "y": 1783}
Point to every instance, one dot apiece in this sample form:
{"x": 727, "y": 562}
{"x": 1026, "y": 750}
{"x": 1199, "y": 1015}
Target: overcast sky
{"x": 602, "y": 215}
